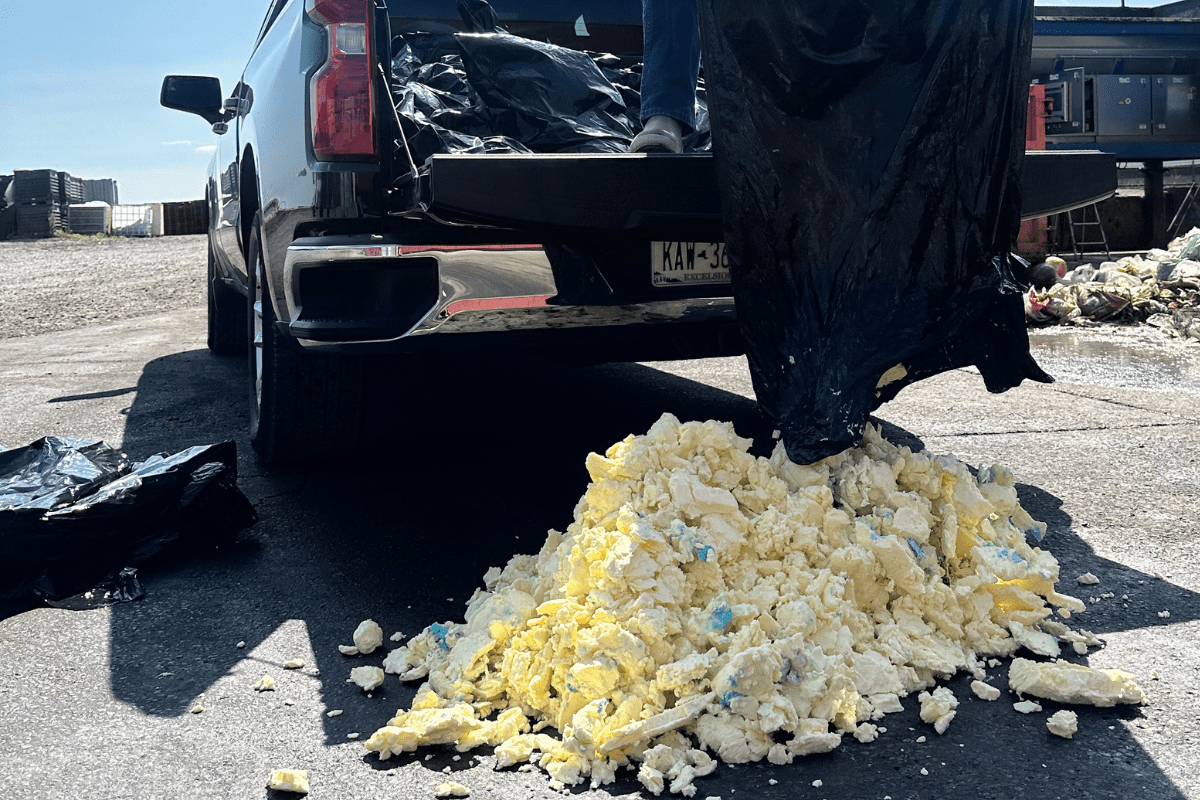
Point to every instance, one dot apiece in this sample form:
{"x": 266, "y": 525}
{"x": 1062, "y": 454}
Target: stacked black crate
{"x": 70, "y": 189}
{"x": 36, "y": 187}
{"x": 188, "y": 218}
{"x": 70, "y": 195}
{"x": 89, "y": 220}
{"x": 38, "y": 195}
{"x": 38, "y": 222}
{"x": 102, "y": 189}
{"x": 60, "y": 198}
{"x": 8, "y": 212}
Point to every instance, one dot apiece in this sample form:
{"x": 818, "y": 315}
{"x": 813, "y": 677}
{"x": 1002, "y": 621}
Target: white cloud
{"x": 184, "y": 142}
{"x": 206, "y": 148}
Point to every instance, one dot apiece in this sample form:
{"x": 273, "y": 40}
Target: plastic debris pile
{"x": 708, "y": 601}
{"x": 1161, "y": 288}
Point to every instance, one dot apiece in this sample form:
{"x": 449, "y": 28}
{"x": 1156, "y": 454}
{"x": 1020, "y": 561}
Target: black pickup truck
{"x": 329, "y": 243}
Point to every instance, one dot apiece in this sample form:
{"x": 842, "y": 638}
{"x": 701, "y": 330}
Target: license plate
{"x": 687, "y": 263}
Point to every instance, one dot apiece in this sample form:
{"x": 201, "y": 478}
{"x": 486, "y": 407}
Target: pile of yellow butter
{"x": 708, "y": 601}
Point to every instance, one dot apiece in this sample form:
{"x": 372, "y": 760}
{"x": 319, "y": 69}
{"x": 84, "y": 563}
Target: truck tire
{"x": 303, "y": 406}
{"x": 226, "y": 314}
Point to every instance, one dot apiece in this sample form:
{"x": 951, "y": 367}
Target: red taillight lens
{"x": 343, "y": 122}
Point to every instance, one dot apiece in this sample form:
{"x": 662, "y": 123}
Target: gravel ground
{"x": 73, "y": 281}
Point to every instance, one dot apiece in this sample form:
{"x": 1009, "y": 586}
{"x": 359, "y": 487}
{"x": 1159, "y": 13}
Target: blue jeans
{"x": 671, "y": 60}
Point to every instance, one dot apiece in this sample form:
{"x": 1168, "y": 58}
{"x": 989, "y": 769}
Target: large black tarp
{"x": 487, "y": 91}
{"x": 869, "y": 154}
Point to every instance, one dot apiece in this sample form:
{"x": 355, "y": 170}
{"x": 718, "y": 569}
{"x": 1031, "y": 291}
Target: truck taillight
{"x": 341, "y": 91}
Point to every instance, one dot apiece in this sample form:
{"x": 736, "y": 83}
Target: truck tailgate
{"x": 673, "y": 197}
{"x": 668, "y": 196}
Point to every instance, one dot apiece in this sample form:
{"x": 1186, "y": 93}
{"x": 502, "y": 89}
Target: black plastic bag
{"x": 499, "y": 93}
{"x": 54, "y": 471}
{"x": 478, "y": 16}
{"x": 869, "y": 155}
{"x": 123, "y": 586}
{"x": 74, "y": 514}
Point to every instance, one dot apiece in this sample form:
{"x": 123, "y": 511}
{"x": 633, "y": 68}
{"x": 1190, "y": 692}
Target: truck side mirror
{"x": 194, "y": 94}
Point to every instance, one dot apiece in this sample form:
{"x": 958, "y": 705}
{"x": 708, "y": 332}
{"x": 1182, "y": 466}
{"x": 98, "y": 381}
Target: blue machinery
{"x": 1124, "y": 81}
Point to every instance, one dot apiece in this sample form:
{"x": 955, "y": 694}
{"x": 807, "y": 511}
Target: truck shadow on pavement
{"x": 462, "y": 467}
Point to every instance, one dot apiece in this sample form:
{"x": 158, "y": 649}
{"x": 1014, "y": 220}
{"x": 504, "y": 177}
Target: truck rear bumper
{"x": 373, "y": 290}
{"x": 365, "y": 291}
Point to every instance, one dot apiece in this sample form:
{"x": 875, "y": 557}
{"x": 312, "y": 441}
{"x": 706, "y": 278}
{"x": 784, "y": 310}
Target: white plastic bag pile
{"x": 708, "y": 601}
{"x": 1161, "y": 288}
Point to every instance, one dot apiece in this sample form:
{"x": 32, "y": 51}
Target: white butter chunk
{"x": 1063, "y": 723}
{"x": 368, "y": 636}
{"x": 984, "y": 691}
{"x": 367, "y": 678}
{"x": 866, "y": 733}
{"x": 938, "y": 708}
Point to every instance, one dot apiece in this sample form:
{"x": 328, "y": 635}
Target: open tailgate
{"x": 668, "y": 196}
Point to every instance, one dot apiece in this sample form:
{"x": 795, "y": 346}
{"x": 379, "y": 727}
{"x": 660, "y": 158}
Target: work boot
{"x": 660, "y": 134}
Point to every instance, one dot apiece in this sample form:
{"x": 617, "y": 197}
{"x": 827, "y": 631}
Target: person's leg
{"x": 671, "y": 60}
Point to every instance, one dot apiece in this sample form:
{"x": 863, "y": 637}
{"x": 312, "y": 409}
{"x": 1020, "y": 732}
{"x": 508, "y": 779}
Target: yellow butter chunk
{"x": 707, "y": 601}
{"x": 1064, "y": 682}
{"x": 289, "y": 780}
{"x": 451, "y": 789}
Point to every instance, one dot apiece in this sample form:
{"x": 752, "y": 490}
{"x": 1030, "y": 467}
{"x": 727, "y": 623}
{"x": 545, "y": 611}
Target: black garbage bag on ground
{"x": 493, "y": 92}
{"x": 869, "y": 155}
{"x": 74, "y": 514}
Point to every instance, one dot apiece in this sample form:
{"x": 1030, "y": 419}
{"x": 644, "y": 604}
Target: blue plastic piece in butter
{"x": 722, "y": 615}
{"x": 440, "y": 632}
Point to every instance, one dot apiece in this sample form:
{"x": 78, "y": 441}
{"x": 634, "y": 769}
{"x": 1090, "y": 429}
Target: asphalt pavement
{"x": 468, "y": 461}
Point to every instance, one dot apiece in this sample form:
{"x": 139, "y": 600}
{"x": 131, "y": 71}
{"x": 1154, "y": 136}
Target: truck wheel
{"x": 226, "y": 314}
{"x": 303, "y": 406}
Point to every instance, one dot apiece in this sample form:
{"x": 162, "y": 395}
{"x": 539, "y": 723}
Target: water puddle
{"x": 1118, "y": 357}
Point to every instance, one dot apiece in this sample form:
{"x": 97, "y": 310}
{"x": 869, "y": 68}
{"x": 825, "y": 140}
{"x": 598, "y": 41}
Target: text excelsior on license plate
{"x": 684, "y": 263}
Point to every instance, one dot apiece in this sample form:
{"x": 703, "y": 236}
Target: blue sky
{"x": 79, "y": 85}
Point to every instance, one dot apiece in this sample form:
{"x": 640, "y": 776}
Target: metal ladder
{"x": 1080, "y": 227}
{"x": 1185, "y": 206}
